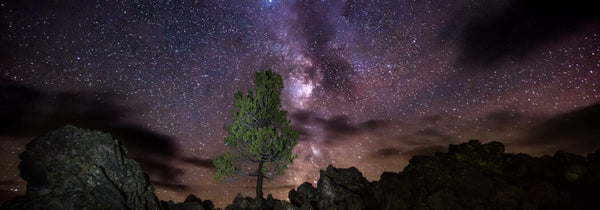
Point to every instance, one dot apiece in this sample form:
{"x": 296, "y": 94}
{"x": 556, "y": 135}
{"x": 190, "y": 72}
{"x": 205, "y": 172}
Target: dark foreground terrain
{"x": 73, "y": 168}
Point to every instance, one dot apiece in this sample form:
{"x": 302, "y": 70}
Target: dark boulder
{"x": 74, "y": 168}
{"x": 336, "y": 189}
{"x": 305, "y": 194}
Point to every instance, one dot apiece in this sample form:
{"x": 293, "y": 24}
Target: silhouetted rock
{"x": 306, "y": 193}
{"x": 462, "y": 178}
{"x": 594, "y": 160}
{"x": 247, "y": 203}
{"x": 469, "y": 176}
{"x": 191, "y": 203}
{"x": 73, "y": 168}
{"x": 336, "y": 189}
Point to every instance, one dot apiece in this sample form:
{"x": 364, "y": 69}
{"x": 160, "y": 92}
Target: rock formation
{"x": 73, "y": 168}
{"x": 336, "y": 189}
{"x": 469, "y": 176}
{"x": 191, "y": 203}
{"x": 248, "y": 203}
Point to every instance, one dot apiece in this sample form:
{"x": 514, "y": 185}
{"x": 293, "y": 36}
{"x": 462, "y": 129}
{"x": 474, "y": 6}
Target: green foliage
{"x": 260, "y": 133}
{"x": 225, "y": 165}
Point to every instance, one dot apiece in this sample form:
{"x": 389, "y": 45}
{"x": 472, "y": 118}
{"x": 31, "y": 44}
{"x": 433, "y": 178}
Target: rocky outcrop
{"x": 74, "y": 168}
{"x": 247, "y": 203}
{"x": 469, "y": 176}
{"x": 191, "y": 203}
{"x": 465, "y": 177}
{"x": 336, "y": 189}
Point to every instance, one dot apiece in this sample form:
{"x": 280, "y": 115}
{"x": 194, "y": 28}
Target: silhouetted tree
{"x": 260, "y": 138}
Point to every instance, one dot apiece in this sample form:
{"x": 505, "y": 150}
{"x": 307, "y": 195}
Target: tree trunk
{"x": 259, "y": 180}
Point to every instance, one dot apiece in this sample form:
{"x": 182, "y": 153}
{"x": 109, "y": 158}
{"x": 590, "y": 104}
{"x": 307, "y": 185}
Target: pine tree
{"x": 260, "y": 138}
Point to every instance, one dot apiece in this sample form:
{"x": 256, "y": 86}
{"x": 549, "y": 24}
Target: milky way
{"x": 367, "y": 83}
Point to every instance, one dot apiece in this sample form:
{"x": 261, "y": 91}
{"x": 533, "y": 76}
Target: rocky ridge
{"x": 73, "y": 168}
{"x": 469, "y": 176}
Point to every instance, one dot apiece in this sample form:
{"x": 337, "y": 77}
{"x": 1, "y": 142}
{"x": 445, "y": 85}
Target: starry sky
{"x": 367, "y": 83}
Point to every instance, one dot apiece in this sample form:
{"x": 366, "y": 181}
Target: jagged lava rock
{"x": 191, "y": 203}
{"x": 336, "y": 189}
{"x": 247, "y": 203}
{"x": 74, "y": 168}
{"x": 465, "y": 177}
{"x": 470, "y": 175}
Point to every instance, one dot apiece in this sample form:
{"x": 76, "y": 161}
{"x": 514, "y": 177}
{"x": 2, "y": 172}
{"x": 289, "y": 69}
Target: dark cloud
{"x": 425, "y": 150}
{"x": 524, "y": 25}
{"x": 299, "y": 120}
{"x": 576, "y": 131}
{"x": 506, "y": 120}
{"x": 171, "y": 186}
{"x": 387, "y": 152}
{"x": 159, "y": 169}
{"x": 426, "y": 136}
{"x": 335, "y": 127}
{"x": 31, "y": 112}
{"x": 430, "y": 132}
{"x": 339, "y": 128}
{"x": 199, "y": 162}
{"x": 502, "y": 118}
{"x": 303, "y": 133}
{"x": 432, "y": 119}
{"x": 372, "y": 124}
{"x": 338, "y": 124}
{"x": 16, "y": 104}
{"x": 27, "y": 112}
{"x": 165, "y": 173}
{"x": 394, "y": 152}
{"x": 156, "y": 152}
{"x": 302, "y": 116}
{"x": 142, "y": 139}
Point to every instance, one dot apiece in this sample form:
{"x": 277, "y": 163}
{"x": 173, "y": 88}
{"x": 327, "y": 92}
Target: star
{"x": 368, "y": 84}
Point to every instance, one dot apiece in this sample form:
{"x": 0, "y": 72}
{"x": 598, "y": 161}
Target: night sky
{"x": 367, "y": 83}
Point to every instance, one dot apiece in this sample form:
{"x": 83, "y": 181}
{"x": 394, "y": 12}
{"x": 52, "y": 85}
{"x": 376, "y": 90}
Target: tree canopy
{"x": 260, "y": 138}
